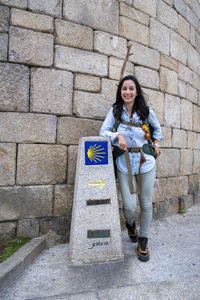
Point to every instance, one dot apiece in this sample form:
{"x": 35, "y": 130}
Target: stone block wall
{"x": 60, "y": 62}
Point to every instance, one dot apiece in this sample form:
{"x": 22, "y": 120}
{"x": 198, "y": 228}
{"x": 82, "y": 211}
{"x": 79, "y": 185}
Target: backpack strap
{"x": 117, "y": 122}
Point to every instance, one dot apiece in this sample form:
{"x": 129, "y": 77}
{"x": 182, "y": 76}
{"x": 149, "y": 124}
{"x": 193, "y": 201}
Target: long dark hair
{"x": 140, "y": 106}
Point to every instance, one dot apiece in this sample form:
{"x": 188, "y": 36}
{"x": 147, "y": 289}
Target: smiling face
{"x": 128, "y": 92}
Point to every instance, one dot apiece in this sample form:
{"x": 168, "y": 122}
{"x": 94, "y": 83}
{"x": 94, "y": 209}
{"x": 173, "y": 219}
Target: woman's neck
{"x": 129, "y": 109}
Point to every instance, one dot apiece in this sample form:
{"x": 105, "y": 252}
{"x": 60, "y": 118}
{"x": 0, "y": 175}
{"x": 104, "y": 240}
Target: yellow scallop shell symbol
{"x": 95, "y": 153}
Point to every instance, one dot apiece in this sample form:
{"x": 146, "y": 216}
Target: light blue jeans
{"x": 145, "y": 197}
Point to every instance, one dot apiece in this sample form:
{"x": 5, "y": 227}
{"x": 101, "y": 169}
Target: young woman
{"x": 136, "y": 170}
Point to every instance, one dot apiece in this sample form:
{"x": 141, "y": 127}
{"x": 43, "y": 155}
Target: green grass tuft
{"x": 10, "y": 246}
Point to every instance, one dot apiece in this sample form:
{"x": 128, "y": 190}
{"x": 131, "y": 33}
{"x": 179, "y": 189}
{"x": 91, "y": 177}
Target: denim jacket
{"x": 134, "y": 137}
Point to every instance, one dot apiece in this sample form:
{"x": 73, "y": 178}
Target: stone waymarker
{"x": 95, "y": 228}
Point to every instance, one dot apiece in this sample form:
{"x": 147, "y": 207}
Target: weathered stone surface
{"x": 41, "y": 164}
{"x": 192, "y": 19}
{"x": 25, "y": 202}
{"x": 115, "y": 66}
{"x": 197, "y": 38}
{"x": 90, "y": 105}
{"x": 109, "y": 89}
{"x": 188, "y": 2}
{"x": 188, "y": 201}
{"x": 76, "y": 60}
{"x": 184, "y": 73}
{"x": 15, "y": 3}
{"x": 147, "y": 77}
{"x": 193, "y": 182}
{"x": 168, "y": 62}
{"x": 70, "y": 130}
{"x": 186, "y": 161}
{"x": 186, "y": 114}
{"x": 129, "y": 2}
{"x": 30, "y": 47}
{"x": 198, "y": 146}
{"x": 192, "y": 142}
{"x": 168, "y": 163}
{"x": 170, "y": 2}
{"x": 3, "y": 46}
{"x": 63, "y": 200}
{"x": 167, "y": 15}
{"x": 192, "y": 36}
{"x": 168, "y": 188}
{"x": 165, "y": 208}
{"x": 134, "y": 14}
{"x": 87, "y": 83}
{"x": 7, "y": 163}
{"x": 73, "y": 35}
{"x": 179, "y": 138}
{"x": 147, "y": 7}
{"x": 27, "y": 128}
{"x": 196, "y": 118}
{"x": 97, "y": 14}
{"x": 178, "y": 47}
{"x": 167, "y": 137}
{"x": 7, "y": 229}
{"x": 156, "y": 101}
{"x": 172, "y": 111}
{"x": 4, "y": 17}
{"x": 145, "y": 56}
{"x": 182, "y": 89}
{"x": 168, "y": 81}
{"x": 140, "y": 33}
{"x": 49, "y": 7}
{"x": 14, "y": 87}
{"x": 56, "y": 228}
{"x": 28, "y": 227}
{"x": 52, "y": 238}
{"x": 180, "y": 6}
{"x": 192, "y": 94}
{"x": 51, "y": 91}
{"x": 195, "y": 6}
{"x": 71, "y": 170}
{"x": 195, "y": 80}
{"x": 193, "y": 59}
{"x": 25, "y": 19}
{"x": 108, "y": 44}
{"x": 159, "y": 36}
{"x": 196, "y": 198}
{"x": 196, "y": 162}
{"x": 184, "y": 27}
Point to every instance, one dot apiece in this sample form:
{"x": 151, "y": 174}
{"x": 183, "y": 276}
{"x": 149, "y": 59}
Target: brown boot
{"x": 142, "y": 250}
{"x": 132, "y": 232}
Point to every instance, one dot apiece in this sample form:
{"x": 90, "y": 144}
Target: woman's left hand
{"x": 157, "y": 150}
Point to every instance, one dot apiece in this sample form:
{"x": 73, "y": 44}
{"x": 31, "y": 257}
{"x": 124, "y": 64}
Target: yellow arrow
{"x": 101, "y": 183}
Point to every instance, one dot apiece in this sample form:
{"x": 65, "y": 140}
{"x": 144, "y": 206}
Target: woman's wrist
{"x": 118, "y": 135}
{"x": 156, "y": 145}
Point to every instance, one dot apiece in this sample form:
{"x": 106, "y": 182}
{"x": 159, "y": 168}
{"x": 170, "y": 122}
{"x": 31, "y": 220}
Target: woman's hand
{"x": 122, "y": 143}
{"x": 156, "y": 147}
{"x": 157, "y": 150}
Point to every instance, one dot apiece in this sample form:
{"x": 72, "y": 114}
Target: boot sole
{"x": 143, "y": 258}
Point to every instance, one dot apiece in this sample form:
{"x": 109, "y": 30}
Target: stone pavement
{"x": 173, "y": 271}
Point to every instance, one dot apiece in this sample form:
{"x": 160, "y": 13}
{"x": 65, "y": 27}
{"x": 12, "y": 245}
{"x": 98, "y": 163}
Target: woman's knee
{"x": 146, "y": 206}
{"x": 129, "y": 208}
